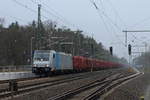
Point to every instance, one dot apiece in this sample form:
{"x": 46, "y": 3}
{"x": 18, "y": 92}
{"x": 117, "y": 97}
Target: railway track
{"x": 26, "y": 88}
{"x": 31, "y": 87}
{"x": 21, "y": 79}
{"x": 101, "y": 86}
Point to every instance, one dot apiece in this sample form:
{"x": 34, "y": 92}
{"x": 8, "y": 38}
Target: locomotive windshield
{"x": 41, "y": 56}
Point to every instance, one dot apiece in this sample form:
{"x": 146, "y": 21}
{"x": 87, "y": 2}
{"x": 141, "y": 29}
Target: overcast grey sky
{"x": 118, "y": 15}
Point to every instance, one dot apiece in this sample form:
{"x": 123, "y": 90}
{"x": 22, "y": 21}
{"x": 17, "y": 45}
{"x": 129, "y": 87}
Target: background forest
{"x": 17, "y": 43}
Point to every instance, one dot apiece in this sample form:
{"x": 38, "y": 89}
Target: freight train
{"x": 49, "y": 61}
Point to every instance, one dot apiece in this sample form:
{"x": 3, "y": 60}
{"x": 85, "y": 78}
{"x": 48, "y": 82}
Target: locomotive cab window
{"x": 53, "y": 55}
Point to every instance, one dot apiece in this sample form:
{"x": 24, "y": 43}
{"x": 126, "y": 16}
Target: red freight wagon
{"x": 101, "y": 64}
{"x": 109, "y": 65}
{"x": 79, "y": 63}
{"x": 88, "y": 63}
{"x": 85, "y": 64}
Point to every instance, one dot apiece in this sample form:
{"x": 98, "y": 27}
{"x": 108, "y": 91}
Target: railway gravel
{"x": 45, "y": 93}
{"x": 132, "y": 90}
{"x": 35, "y": 81}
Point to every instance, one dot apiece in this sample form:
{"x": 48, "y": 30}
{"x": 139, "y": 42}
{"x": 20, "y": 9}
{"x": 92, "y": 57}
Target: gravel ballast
{"x": 132, "y": 90}
{"x": 44, "y": 94}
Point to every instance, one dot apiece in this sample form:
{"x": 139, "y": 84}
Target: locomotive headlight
{"x": 34, "y": 65}
{"x": 47, "y": 65}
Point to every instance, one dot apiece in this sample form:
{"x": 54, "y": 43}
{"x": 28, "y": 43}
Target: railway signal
{"x": 129, "y": 49}
{"x": 111, "y": 50}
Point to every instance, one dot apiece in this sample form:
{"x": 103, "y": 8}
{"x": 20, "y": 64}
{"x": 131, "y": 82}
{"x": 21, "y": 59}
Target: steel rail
{"x": 105, "y": 82}
{"x": 108, "y": 86}
{"x": 5, "y": 93}
{"x": 70, "y": 93}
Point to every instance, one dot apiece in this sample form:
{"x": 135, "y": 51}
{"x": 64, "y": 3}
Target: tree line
{"x": 17, "y": 42}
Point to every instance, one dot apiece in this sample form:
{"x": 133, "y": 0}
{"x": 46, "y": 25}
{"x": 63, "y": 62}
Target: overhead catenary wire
{"x": 102, "y": 8}
{"x": 27, "y": 7}
{"x": 101, "y": 17}
{"x": 43, "y": 8}
{"x": 32, "y": 10}
{"x": 59, "y": 17}
{"x": 63, "y": 21}
{"x": 115, "y": 11}
{"x": 103, "y": 13}
{"x": 117, "y": 14}
{"x": 55, "y": 14}
{"x": 16, "y": 18}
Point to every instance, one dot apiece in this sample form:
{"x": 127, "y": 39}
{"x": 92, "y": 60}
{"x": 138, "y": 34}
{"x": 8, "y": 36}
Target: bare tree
{"x": 50, "y": 25}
